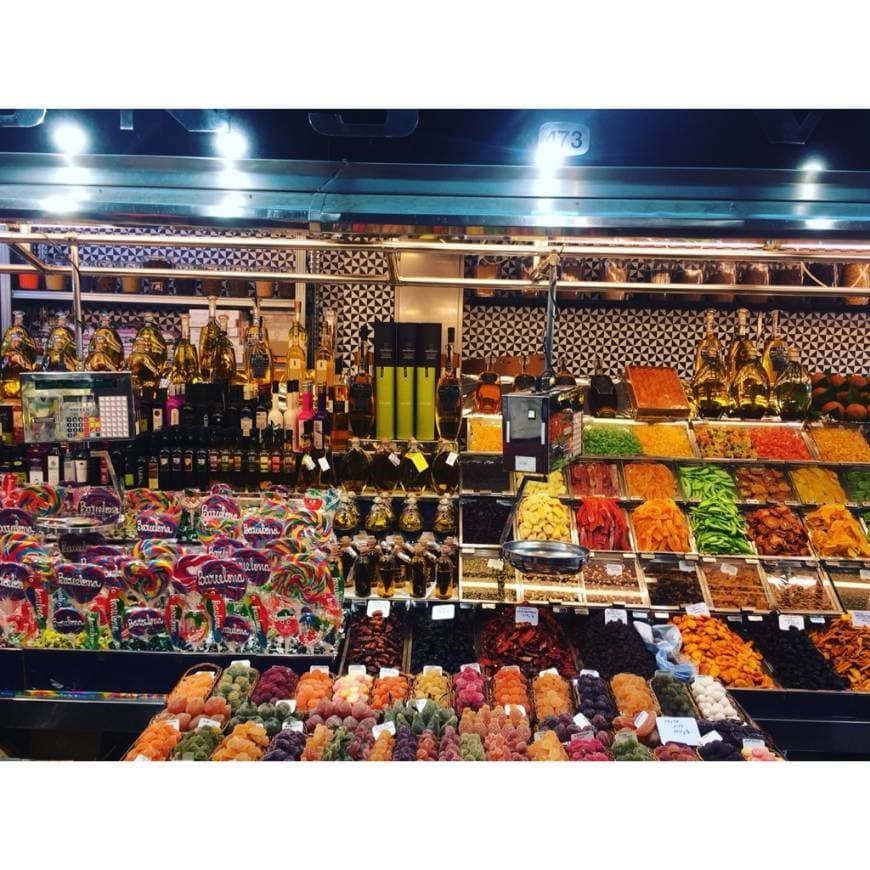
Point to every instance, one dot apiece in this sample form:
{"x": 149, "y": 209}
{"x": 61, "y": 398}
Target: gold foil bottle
{"x": 154, "y": 339}
{"x": 775, "y": 357}
{"x": 297, "y": 348}
{"x": 793, "y": 390}
{"x": 144, "y": 371}
{"x": 114, "y": 345}
{"x": 13, "y": 361}
{"x": 99, "y": 360}
{"x": 25, "y": 344}
{"x": 209, "y": 338}
{"x": 185, "y": 363}
{"x": 750, "y": 388}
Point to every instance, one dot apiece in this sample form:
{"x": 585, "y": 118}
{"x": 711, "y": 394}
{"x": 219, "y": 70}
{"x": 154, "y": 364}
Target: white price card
{"x": 710, "y": 737}
{"x": 245, "y": 663}
{"x": 614, "y": 569}
{"x": 432, "y": 669}
{"x": 751, "y": 743}
{"x": 356, "y": 669}
{"x": 581, "y": 721}
{"x": 699, "y": 609}
{"x": 451, "y": 458}
{"x": 394, "y": 458}
{"x": 687, "y": 566}
{"x": 324, "y": 669}
{"x": 660, "y": 615}
{"x": 860, "y": 618}
{"x": 205, "y": 722}
{"x": 640, "y": 719}
{"x": 817, "y": 620}
{"x": 554, "y": 671}
{"x": 382, "y": 607}
{"x": 615, "y": 614}
{"x": 389, "y": 672}
{"x": 290, "y": 702}
{"x": 292, "y": 725}
{"x": 729, "y": 569}
{"x": 386, "y": 726}
{"x": 644, "y": 630}
{"x": 473, "y": 665}
{"x": 308, "y": 462}
{"x": 754, "y": 618}
{"x": 324, "y": 465}
{"x": 787, "y": 621}
{"x": 590, "y": 672}
{"x": 420, "y": 704}
{"x": 678, "y": 729}
{"x": 174, "y": 723}
{"x": 443, "y": 611}
{"x": 526, "y": 615}
{"x": 495, "y": 564}
{"x": 864, "y": 574}
{"x": 520, "y": 707}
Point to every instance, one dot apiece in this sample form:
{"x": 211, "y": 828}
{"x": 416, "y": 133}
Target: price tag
{"x": 549, "y": 671}
{"x": 323, "y": 669}
{"x": 520, "y": 707}
{"x": 382, "y": 607}
{"x": 614, "y": 614}
{"x": 473, "y": 665}
{"x": 388, "y": 672}
{"x": 526, "y": 616}
{"x": 787, "y": 621}
{"x": 638, "y": 614}
{"x": 699, "y": 609}
{"x": 710, "y": 737}
{"x": 141, "y": 758}
{"x": 861, "y": 618}
{"x": 640, "y": 719}
{"x": 386, "y": 726}
{"x": 290, "y": 702}
{"x": 356, "y": 669}
{"x": 526, "y": 464}
{"x": 660, "y": 615}
{"x": 308, "y": 462}
{"x": 394, "y": 458}
{"x": 451, "y": 458}
{"x": 590, "y": 672}
{"x": 432, "y": 669}
{"x": 537, "y": 736}
{"x": 864, "y": 574}
{"x": 679, "y": 729}
{"x": 735, "y": 618}
{"x": 468, "y": 551}
{"x": 420, "y": 704}
{"x": 581, "y": 721}
{"x": 245, "y": 663}
{"x": 292, "y": 725}
{"x": 686, "y": 566}
{"x": 324, "y": 465}
{"x": 753, "y": 743}
{"x": 644, "y": 631}
{"x": 753, "y": 618}
{"x": 205, "y": 722}
{"x": 495, "y": 564}
{"x": 419, "y": 462}
{"x": 173, "y": 723}
{"x": 817, "y": 620}
{"x": 614, "y": 569}
{"x": 487, "y": 605}
{"x": 443, "y": 611}
{"x": 729, "y": 569}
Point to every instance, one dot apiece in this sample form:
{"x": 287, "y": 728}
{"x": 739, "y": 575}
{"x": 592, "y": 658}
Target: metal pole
{"x": 551, "y": 323}
{"x": 77, "y": 304}
{"x": 5, "y": 290}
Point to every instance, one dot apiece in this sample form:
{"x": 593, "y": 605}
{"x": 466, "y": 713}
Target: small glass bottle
{"x": 445, "y": 518}
{"x": 385, "y": 467}
{"x": 793, "y": 390}
{"x": 750, "y": 389}
{"x": 602, "y": 392}
{"x": 709, "y": 344}
{"x": 710, "y": 386}
{"x": 346, "y": 517}
{"x": 445, "y": 468}
{"x": 410, "y": 518}
{"x": 401, "y": 565}
{"x": 448, "y": 395}
{"x": 362, "y": 574}
{"x": 444, "y": 574}
{"x": 380, "y": 517}
{"x": 487, "y": 393}
{"x": 776, "y": 356}
{"x": 413, "y": 469}
{"x": 417, "y": 573}
{"x": 386, "y": 576}
{"x": 361, "y": 407}
{"x": 308, "y": 470}
{"x": 738, "y": 349}
{"x": 356, "y": 467}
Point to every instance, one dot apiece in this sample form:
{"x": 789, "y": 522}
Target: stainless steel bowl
{"x": 545, "y": 557}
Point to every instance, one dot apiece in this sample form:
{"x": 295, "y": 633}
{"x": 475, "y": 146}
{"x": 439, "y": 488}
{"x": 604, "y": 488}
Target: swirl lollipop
{"x": 149, "y": 548}
{"x": 37, "y": 499}
{"x": 209, "y": 530}
{"x": 150, "y": 578}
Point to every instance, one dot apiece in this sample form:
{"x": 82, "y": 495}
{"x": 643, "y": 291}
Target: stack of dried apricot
{"x": 552, "y": 695}
{"x": 317, "y": 742}
{"x": 547, "y": 748}
{"x": 720, "y": 653}
{"x": 247, "y": 742}
{"x": 313, "y": 687}
{"x": 382, "y": 749}
{"x": 195, "y": 685}
{"x": 388, "y": 691}
{"x": 509, "y": 686}
{"x": 155, "y": 743}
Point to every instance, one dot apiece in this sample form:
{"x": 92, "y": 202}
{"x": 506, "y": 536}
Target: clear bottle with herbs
{"x": 347, "y": 516}
{"x": 750, "y": 388}
{"x": 793, "y": 390}
{"x": 445, "y": 518}
{"x": 386, "y": 576}
{"x": 410, "y": 518}
{"x": 414, "y": 468}
{"x": 445, "y": 468}
{"x": 380, "y": 517}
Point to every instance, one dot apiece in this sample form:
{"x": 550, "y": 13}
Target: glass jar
{"x": 722, "y": 273}
{"x": 445, "y": 518}
{"x": 346, "y": 517}
{"x": 616, "y": 272}
{"x": 758, "y": 274}
{"x": 380, "y": 517}
{"x": 410, "y": 519}
{"x": 689, "y": 273}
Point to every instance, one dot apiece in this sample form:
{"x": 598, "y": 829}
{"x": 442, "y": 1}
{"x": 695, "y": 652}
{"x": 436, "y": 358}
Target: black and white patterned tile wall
{"x": 660, "y": 336}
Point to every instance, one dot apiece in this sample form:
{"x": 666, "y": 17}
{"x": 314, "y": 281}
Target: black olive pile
{"x": 448, "y": 643}
{"x": 613, "y": 648}
{"x": 796, "y": 662}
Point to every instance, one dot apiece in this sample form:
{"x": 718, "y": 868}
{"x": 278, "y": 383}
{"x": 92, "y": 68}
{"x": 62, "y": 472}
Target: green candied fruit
{"x": 610, "y": 441}
{"x": 471, "y": 748}
{"x": 858, "y": 485}
{"x": 707, "y": 481}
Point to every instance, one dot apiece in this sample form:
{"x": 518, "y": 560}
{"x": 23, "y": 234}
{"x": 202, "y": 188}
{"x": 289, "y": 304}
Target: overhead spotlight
{"x": 819, "y": 223}
{"x": 69, "y": 138}
{"x": 548, "y": 156}
{"x": 231, "y": 144}
{"x": 813, "y": 166}
{"x": 232, "y": 205}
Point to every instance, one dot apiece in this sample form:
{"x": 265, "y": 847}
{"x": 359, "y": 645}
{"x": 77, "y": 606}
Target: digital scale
{"x": 76, "y": 407}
